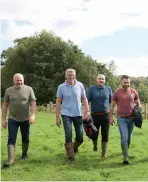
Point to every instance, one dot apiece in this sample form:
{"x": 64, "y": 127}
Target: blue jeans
{"x": 13, "y": 129}
{"x": 78, "y": 125}
{"x": 126, "y": 126}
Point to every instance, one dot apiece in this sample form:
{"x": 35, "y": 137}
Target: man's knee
{"x": 105, "y": 138}
{"x": 11, "y": 141}
{"x": 124, "y": 140}
{"x": 26, "y": 140}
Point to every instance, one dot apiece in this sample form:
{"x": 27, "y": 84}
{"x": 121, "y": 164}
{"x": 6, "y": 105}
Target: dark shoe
{"x": 70, "y": 160}
{"x": 125, "y": 162}
{"x": 95, "y": 149}
{"x": 24, "y": 157}
{"x": 7, "y": 165}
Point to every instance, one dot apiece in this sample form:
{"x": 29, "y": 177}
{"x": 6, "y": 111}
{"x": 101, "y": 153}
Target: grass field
{"x": 47, "y": 157}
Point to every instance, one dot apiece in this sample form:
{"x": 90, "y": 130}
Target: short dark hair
{"x": 125, "y": 77}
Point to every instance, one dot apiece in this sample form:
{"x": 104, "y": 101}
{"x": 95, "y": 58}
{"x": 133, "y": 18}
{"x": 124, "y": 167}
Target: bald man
{"x": 20, "y": 99}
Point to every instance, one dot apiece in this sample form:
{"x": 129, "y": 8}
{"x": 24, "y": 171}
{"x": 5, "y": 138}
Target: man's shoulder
{"x": 107, "y": 87}
{"x": 79, "y": 83}
{"x": 92, "y": 87}
{"x": 9, "y": 89}
{"x": 133, "y": 90}
{"x": 61, "y": 85}
{"x": 27, "y": 87}
{"x": 118, "y": 90}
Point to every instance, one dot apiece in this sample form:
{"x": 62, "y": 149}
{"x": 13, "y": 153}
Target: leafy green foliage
{"x": 43, "y": 59}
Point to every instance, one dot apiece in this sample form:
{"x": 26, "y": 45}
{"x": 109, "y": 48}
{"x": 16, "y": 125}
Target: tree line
{"x": 43, "y": 59}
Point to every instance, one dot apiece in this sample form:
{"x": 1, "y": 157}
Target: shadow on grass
{"x": 86, "y": 162}
{"x": 141, "y": 160}
{"x": 82, "y": 161}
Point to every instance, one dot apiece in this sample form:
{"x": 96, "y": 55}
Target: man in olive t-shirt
{"x": 18, "y": 99}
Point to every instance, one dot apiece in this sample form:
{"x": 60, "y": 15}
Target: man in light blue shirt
{"x": 70, "y": 93}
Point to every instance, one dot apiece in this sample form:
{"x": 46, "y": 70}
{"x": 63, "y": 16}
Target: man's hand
{"x": 32, "y": 119}
{"x": 111, "y": 120}
{"x": 87, "y": 115}
{"x": 58, "y": 122}
{"x": 4, "y": 124}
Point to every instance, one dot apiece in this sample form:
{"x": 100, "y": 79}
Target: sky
{"x": 105, "y": 29}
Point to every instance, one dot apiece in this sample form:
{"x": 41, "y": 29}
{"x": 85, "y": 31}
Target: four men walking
{"x": 20, "y": 99}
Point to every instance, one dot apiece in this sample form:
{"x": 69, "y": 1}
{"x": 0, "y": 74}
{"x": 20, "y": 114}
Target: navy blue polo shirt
{"x": 99, "y": 97}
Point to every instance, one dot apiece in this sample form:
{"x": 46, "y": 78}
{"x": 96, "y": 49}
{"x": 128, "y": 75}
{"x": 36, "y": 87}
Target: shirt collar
{"x": 102, "y": 87}
{"x": 65, "y": 83}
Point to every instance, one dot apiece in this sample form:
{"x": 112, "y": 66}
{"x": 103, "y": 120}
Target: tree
{"x": 43, "y": 59}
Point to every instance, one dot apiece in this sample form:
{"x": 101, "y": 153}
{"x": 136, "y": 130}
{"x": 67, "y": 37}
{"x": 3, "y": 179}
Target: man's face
{"x": 125, "y": 83}
{"x": 18, "y": 81}
{"x": 101, "y": 80}
{"x": 70, "y": 76}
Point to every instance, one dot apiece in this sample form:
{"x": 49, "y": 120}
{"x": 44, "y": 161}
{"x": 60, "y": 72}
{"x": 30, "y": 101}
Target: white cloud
{"x": 78, "y": 20}
{"x": 89, "y": 19}
{"x": 132, "y": 66}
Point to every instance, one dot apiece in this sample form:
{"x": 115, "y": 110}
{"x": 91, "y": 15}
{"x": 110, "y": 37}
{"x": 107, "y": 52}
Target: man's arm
{"x": 4, "y": 113}
{"x": 33, "y": 107}
{"x": 58, "y": 107}
{"x": 33, "y": 110}
{"x": 138, "y": 103}
{"x": 111, "y": 112}
{"x": 86, "y": 107}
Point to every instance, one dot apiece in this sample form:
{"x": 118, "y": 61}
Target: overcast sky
{"x": 105, "y": 29}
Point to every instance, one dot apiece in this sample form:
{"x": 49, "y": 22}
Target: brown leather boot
{"x": 76, "y": 145}
{"x": 70, "y": 152}
{"x": 24, "y": 151}
{"x": 104, "y": 149}
{"x": 11, "y": 156}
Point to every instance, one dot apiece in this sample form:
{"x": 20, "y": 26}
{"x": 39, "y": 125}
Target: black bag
{"x": 90, "y": 129}
{"x": 137, "y": 114}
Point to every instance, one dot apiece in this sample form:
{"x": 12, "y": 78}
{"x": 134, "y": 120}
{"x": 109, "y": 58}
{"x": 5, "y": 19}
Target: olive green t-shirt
{"x": 19, "y": 100}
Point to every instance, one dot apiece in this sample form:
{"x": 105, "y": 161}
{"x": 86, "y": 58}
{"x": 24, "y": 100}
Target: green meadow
{"x": 48, "y": 162}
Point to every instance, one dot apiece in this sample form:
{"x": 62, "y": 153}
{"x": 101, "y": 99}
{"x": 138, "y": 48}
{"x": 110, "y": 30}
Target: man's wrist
{"x": 87, "y": 111}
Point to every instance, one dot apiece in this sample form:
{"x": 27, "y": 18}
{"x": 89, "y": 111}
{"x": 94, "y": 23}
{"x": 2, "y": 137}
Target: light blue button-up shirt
{"x": 71, "y": 98}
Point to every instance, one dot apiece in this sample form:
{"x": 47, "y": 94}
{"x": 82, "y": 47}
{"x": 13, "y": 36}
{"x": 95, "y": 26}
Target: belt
{"x": 100, "y": 113}
{"x": 128, "y": 117}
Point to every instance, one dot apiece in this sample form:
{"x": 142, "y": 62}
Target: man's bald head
{"x": 18, "y": 80}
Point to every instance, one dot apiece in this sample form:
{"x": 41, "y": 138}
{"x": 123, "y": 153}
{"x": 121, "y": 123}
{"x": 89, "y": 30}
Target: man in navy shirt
{"x": 100, "y": 98}
{"x": 70, "y": 93}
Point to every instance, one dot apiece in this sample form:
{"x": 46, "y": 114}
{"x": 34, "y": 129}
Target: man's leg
{"x": 130, "y": 130}
{"x": 78, "y": 125}
{"x": 123, "y": 128}
{"x": 67, "y": 123}
{"x": 12, "y": 135}
{"x": 105, "y": 125}
{"x": 97, "y": 125}
{"x": 25, "y": 129}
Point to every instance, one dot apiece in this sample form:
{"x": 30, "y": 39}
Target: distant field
{"x": 47, "y": 157}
